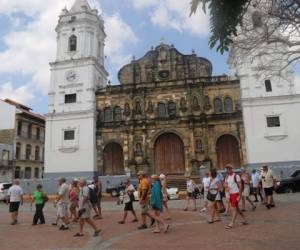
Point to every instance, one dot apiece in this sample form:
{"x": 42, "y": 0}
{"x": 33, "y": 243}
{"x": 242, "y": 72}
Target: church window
{"x": 268, "y": 86}
{"x": 198, "y": 146}
{"x": 69, "y": 135}
{"x": 27, "y": 172}
{"x": 108, "y": 115}
{"x": 117, "y": 114}
{"x": 73, "y": 43}
{"x": 273, "y": 121}
{"x": 228, "y": 106}
{"x": 161, "y": 108}
{"x": 70, "y": 98}
{"x": 218, "y": 105}
{"x": 172, "y": 109}
{"x": 28, "y": 152}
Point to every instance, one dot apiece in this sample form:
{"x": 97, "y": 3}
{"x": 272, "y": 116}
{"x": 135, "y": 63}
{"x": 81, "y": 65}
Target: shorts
{"x": 205, "y": 196}
{"x": 234, "y": 200}
{"x": 62, "y": 209}
{"x": 155, "y": 208}
{"x": 14, "y": 206}
{"x": 74, "y": 205}
{"x": 144, "y": 209}
{"x": 87, "y": 213}
{"x": 191, "y": 195}
{"x": 128, "y": 206}
{"x": 246, "y": 191}
{"x": 268, "y": 191}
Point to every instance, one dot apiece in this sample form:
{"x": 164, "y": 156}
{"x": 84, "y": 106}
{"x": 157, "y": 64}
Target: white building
{"x": 270, "y": 101}
{"x": 75, "y": 75}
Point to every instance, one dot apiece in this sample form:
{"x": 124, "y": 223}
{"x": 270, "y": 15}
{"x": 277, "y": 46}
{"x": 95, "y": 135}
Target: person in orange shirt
{"x": 144, "y": 195}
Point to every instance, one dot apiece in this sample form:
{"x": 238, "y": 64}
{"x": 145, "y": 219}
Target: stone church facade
{"x": 169, "y": 115}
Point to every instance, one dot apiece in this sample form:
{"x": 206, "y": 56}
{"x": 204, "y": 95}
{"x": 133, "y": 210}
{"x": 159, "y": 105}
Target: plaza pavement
{"x": 277, "y": 229}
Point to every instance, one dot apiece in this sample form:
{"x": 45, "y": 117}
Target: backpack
{"x": 93, "y": 195}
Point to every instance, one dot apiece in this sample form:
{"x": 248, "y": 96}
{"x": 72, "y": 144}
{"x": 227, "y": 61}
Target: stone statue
{"x": 138, "y": 150}
{"x": 127, "y": 109}
{"x": 183, "y": 105}
{"x": 150, "y": 108}
{"x": 195, "y": 104}
{"x": 138, "y": 108}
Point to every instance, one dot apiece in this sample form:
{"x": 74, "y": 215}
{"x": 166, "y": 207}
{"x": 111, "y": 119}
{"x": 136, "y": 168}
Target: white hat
{"x": 162, "y": 176}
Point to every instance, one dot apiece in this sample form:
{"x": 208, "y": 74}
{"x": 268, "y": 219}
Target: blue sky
{"x": 27, "y": 40}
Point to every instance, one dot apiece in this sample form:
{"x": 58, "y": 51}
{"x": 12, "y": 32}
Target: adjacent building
{"x": 22, "y": 143}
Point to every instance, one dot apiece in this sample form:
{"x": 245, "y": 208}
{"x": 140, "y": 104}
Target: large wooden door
{"x": 113, "y": 161}
{"x": 169, "y": 154}
{"x": 228, "y": 151}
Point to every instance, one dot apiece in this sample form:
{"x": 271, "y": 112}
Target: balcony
{"x": 24, "y": 135}
{"x": 29, "y": 158}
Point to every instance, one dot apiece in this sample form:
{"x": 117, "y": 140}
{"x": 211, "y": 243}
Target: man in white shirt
{"x": 15, "y": 196}
{"x": 205, "y": 186}
{"x": 255, "y": 185}
{"x": 62, "y": 203}
{"x": 268, "y": 180}
{"x": 234, "y": 186}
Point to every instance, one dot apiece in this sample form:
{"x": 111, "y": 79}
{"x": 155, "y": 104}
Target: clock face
{"x": 71, "y": 75}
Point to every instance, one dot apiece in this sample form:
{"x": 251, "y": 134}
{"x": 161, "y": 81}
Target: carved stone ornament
{"x": 207, "y": 103}
{"x": 126, "y": 109}
{"x": 138, "y": 108}
{"x": 150, "y": 108}
{"x": 195, "y": 104}
{"x": 183, "y": 104}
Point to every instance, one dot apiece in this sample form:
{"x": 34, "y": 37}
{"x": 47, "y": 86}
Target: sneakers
{"x": 142, "y": 227}
{"x": 203, "y": 210}
{"x": 62, "y": 227}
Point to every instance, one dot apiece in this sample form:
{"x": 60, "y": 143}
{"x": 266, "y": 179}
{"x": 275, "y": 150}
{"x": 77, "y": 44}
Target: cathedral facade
{"x": 169, "y": 115}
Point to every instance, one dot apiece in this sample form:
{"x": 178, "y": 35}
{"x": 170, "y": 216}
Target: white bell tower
{"x": 77, "y": 72}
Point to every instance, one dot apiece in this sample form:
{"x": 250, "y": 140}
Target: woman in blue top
{"x": 157, "y": 204}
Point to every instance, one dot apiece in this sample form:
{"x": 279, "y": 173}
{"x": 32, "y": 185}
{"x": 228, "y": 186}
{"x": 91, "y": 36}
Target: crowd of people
{"x": 222, "y": 193}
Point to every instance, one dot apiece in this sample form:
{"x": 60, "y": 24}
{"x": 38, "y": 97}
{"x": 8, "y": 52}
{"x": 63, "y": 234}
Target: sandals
{"x": 228, "y": 227}
{"x": 156, "y": 231}
{"x": 245, "y": 223}
{"x": 121, "y": 222}
{"x": 135, "y": 220}
{"x": 78, "y": 235}
{"x": 167, "y": 228}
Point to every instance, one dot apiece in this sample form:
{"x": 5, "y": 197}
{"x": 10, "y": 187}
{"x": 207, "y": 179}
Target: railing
{"x": 33, "y": 137}
{"x": 6, "y": 163}
{"x": 30, "y": 158}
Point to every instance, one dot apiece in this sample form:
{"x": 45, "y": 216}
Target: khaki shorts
{"x": 144, "y": 209}
{"x": 246, "y": 191}
{"x": 87, "y": 212}
{"x": 62, "y": 209}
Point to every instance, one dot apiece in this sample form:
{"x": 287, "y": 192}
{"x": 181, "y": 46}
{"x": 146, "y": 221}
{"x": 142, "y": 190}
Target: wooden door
{"x": 169, "y": 154}
{"x": 113, "y": 161}
{"x": 228, "y": 151}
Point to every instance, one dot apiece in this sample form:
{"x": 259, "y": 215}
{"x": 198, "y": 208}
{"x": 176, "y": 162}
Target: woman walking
{"x": 128, "y": 200}
{"x": 191, "y": 195}
{"x": 163, "y": 181}
{"x": 73, "y": 195}
{"x": 214, "y": 196}
{"x": 157, "y": 204}
{"x": 39, "y": 198}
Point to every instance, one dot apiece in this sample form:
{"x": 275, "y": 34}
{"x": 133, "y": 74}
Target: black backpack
{"x": 93, "y": 195}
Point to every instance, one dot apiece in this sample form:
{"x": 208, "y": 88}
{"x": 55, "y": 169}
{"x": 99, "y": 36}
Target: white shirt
{"x": 84, "y": 192}
{"x": 231, "y": 182}
{"x": 129, "y": 189}
{"x": 255, "y": 179}
{"x": 267, "y": 178}
{"x": 190, "y": 186}
{"x": 15, "y": 192}
{"x": 64, "y": 192}
{"x": 205, "y": 182}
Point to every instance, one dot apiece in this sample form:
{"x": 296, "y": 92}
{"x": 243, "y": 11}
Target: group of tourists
{"x": 222, "y": 194}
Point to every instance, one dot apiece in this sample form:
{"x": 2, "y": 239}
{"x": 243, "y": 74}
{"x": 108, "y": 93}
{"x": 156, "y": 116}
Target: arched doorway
{"x": 228, "y": 151}
{"x": 169, "y": 154}
{"x": 113, "y": 161}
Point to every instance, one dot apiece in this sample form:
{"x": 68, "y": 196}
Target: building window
{"x": 69, "y": 135}
{"x": 70, "y": 98}
{"x": 28, "y": 151}
{"x": 37, "y": 153}
{"x": 73, "y": 43}
{"x": 172, "y": 109}
{"x": 117, "y": 114}
{"x": 218, "y": 105}
{"x": 27, "y": 172}
{"x": 161, "y": 110}
{"x": 18, "y": 150}
{"x": 17, "y": 173}
{"x": 29, "y": 131}
{"x": 198, "y": 146}
{"x": 19, "y": 131}
{"x": 273, "y": 121}
{"x": 108, "y": 116}
{"x": 228, "y": 105}
{"x": 268, "y": 86}
{"x": 5, "y": 155}
{"x": 38, "y": 134}
{"x": 36, "y": 173}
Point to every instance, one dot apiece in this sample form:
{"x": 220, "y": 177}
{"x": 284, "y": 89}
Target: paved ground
{"x": 278, "y": 228}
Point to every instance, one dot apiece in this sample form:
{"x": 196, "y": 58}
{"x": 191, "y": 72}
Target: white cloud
{"x": 29, "y": 49}
{"x": 22, "y": 94}
{"x": 119, "y": 35}
{"x": 174, "y": 14}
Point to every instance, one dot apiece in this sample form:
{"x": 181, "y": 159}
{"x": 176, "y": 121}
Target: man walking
{"x": 144, "y": 191}
{"x": 15, "y": 196}
{"x": 205, "y": 186}
{"x": 62, "y": 203}
{"x": 268, "y": 180}
{"x": 255, "y": 185}
{"x": 233, "y": 182}
{"x": 84, "y": 212}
